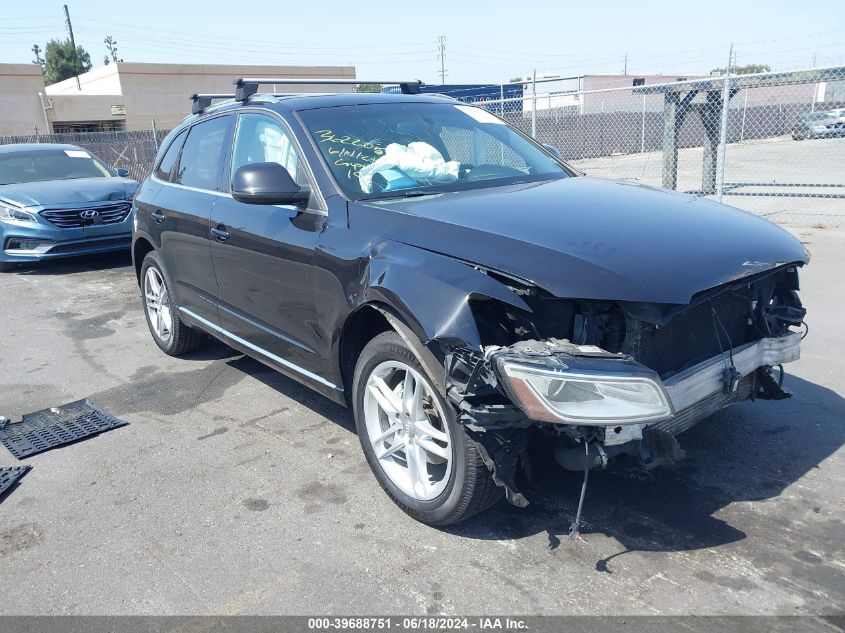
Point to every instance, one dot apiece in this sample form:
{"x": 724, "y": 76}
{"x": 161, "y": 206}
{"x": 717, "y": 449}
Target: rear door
{"x": 264, "y": 254}
{"x": 182, "y": 211}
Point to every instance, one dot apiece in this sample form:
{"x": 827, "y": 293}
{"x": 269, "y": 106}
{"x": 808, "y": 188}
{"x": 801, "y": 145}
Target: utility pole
{"x": 723, "y": 128}
{"x": 441, "y": 47}
{"x": 625, "y": 68}
{"x": 73, "y": 44}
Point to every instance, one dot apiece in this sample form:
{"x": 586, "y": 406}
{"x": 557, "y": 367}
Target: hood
{"x": 51, "y": 193}
{"x": 589, "y": 238}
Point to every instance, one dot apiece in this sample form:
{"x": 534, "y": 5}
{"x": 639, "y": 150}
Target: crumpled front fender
{"x": 432, "y": 292}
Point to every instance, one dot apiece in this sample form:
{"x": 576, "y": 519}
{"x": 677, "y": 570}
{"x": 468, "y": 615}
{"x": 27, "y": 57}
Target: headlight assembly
{"x": 11, "y": 214}
{"x": 594, "y": 398}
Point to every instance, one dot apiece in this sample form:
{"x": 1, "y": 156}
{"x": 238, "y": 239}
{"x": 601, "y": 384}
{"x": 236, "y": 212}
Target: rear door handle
{"x": 220, "y": 233}
{"x": 157, "y": 217}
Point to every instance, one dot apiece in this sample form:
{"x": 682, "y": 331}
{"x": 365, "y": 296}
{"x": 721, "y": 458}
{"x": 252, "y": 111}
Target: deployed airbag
{"x": 417, "y": 160}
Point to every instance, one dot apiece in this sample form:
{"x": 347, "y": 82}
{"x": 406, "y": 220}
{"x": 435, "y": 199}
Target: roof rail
{"x": 202, "y": 101}
{"x": 248, "y": 86}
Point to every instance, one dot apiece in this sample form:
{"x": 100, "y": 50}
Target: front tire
{"x": 420, "y": 455}
{"x": 171, "y": 335}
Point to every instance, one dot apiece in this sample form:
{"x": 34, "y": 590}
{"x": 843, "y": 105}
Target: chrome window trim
{"x": 189, "y": 188}
{"x": 278, "y": 359}
{"x": 321, "y": 201}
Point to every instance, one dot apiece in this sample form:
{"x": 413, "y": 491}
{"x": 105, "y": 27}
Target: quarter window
{"x": 164, "y": 171}
{"x": 204, "y": 154}
{"x": 260, "y": 139}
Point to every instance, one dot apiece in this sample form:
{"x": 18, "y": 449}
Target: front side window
{"x": 379, "y": 150}
{"x": 164, "y": 171}
{"x": 260, "y": 139}
{"x": 203, "y": 154}
{"x": 39, "y": 165}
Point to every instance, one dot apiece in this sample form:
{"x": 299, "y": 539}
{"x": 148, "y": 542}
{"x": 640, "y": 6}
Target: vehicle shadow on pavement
{"x": 88, "y": 263}
{"x": 750, "y": 452}
{"x": 290, "y": 388}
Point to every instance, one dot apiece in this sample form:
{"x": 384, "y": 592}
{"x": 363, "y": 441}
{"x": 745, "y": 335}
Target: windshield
{"x": 384, "y": 150}
{"x": 40, "y": 165}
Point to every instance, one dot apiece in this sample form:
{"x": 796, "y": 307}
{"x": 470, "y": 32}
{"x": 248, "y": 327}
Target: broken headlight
{"x": 566, "y": 395}
{"x": 11, "y": 214}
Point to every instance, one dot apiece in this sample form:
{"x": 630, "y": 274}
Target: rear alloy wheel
{"x": 157, "y": 300}
{"x": 420, "y": 455}
{"x": 170, "y": 334}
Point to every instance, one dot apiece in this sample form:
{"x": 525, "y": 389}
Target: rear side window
{"x": 204, "y": 154}
{"x": 164, "y": 171}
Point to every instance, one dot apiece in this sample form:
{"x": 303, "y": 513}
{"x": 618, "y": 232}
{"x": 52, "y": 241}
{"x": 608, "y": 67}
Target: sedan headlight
{"x": 587, "y": 398}
{"x": 11, "y": 214}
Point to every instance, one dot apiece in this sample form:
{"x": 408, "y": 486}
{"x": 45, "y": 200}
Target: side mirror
{"x": 122, "y": 172}
{"x": 267, "y": 183}
{"x": 551, "y": 149}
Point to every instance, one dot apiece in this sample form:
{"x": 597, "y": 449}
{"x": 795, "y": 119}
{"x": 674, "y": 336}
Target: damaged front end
{"x": 598, "y": 379}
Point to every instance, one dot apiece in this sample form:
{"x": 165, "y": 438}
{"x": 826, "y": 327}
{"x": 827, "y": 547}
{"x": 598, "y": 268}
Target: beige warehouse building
{"x": 131, "y": 96}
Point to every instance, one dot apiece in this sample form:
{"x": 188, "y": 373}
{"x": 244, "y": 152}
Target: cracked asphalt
{"x": 234, "y": 490}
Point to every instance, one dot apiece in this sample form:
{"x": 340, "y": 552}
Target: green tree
{"x": 368, "y": 88}
{"x": 111, "y": 45}
{"x": 62, "y": 62}
{"x": 38, "y": 59}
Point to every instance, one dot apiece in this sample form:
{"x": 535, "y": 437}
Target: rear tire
{"x": 465, "y": 486}
{"x": 7, "y": 267}
{"x": 171, "y": 335}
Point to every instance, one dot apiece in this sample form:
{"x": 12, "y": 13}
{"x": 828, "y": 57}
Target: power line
{"x": 184, "y": 36}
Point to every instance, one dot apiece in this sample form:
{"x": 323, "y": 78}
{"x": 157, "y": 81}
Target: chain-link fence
{"x": 134, "y": 151}
{"x": 778, "y": 149}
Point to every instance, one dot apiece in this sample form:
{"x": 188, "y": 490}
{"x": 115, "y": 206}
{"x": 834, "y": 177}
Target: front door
{"x": 263, "y": 254}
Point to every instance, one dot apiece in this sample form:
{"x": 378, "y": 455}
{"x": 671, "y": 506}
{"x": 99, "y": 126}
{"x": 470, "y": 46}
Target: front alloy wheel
{"x": 418, "y": 452}
{"x": 406, "y": 427}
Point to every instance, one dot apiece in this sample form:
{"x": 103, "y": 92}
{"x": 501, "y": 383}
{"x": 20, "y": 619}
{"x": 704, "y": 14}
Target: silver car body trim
{"x": 696, "y": 383}
{"x": 276, "y": 359}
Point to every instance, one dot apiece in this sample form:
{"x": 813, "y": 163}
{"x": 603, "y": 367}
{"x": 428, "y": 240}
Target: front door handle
{"x": 157, "y": 217}
{"x": 220, "y": 233}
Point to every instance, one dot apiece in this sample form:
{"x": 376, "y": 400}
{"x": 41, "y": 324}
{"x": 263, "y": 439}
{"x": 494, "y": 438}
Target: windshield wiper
{"x": 400, "y": 194}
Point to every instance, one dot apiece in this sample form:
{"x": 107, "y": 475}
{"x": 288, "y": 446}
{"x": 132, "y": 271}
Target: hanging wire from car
{"x": 731, "y": 375}
{"x": 574, "y": 529}
{"x": 806, "y": 330}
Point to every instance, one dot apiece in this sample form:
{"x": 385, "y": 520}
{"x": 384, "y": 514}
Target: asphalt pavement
{"x": 234, "y": 490}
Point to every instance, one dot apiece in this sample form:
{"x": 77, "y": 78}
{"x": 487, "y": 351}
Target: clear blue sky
{"x": 486, "y": 41}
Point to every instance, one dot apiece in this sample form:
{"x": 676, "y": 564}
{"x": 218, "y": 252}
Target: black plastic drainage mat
{"x": 8, "y": 477}
{"x": 40, "y": 431}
